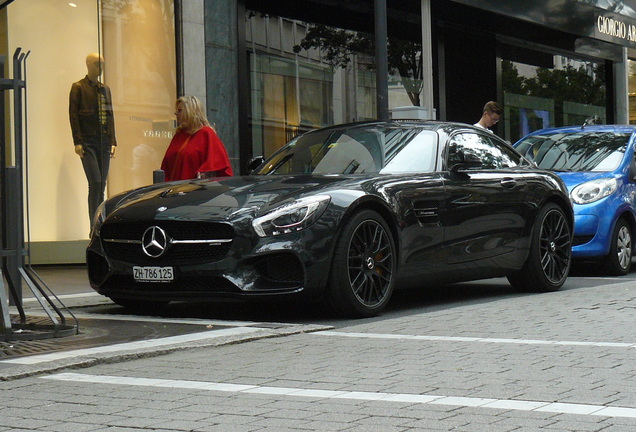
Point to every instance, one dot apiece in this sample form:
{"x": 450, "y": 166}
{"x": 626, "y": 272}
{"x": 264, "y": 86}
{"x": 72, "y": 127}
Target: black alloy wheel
{"x": 550, "y": 257}
{"x": 363, "y": 269}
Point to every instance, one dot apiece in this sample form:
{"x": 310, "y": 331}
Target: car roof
{"x": 589, "y": 128}
{"x": 427, "y": 124}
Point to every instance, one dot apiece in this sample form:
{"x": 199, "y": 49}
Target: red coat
{"x": 203, "y": 152}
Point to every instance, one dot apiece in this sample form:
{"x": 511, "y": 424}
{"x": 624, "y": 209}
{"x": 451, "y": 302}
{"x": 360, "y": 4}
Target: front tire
{"x": 619, "y": 260}
{"x": 550, "y": 257}
{"x": 363, "y": 269}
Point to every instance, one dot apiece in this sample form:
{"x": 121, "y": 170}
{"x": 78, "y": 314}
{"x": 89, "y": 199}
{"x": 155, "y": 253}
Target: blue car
{"x": 597, "y": 165}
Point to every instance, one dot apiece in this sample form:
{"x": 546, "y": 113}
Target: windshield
{"x": 582, "y": 151}
{"x": 357, "y": 150}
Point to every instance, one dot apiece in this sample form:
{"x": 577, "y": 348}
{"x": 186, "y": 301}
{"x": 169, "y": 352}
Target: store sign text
{"x": 615, "y": 28}
{"x": 157, "y": 134}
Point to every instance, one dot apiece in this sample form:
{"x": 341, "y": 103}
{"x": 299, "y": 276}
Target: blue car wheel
{"x": 619, "y": 260}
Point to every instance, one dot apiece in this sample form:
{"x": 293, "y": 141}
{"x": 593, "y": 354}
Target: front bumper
{"x": 294, "y": 265}
{"x": 593, "y": 235}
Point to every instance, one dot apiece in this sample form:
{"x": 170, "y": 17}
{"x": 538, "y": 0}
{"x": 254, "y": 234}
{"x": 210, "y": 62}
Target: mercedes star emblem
{"x": 154, "y": 241}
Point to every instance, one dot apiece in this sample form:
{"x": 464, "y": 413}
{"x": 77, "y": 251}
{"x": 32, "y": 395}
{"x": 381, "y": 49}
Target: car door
{"x": 485, "y": 209}
{"x": 416, "y": 190}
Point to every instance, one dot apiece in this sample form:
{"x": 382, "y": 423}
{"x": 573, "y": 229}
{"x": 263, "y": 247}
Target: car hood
{"x": 219, "y": 199}
{"x": 573, "y": 179}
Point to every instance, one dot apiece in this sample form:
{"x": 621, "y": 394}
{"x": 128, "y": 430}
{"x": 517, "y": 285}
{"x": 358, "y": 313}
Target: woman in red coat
{"x": 195, "y": 150}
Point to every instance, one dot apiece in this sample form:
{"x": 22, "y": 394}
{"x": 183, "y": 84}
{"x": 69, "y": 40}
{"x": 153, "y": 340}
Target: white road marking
{"x": 472, "y": 339}
{"x": 516, "y": 405}
{"x": 66, "y": 296}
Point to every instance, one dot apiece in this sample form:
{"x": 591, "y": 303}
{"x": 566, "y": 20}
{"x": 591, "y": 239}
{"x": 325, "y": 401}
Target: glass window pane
{"x": 136, "y": 41}
{"x": 562, "y": 91}
{"x": 139, "y": 49}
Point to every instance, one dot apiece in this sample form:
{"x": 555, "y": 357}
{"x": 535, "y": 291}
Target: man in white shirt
{"x": 490, "y": 116}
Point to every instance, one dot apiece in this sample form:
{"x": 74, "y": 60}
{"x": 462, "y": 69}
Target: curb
{"x": 18, "y": 371}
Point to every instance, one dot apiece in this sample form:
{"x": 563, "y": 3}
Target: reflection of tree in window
{"x": 491, "y": 154}
{"x": 579, "y": 152}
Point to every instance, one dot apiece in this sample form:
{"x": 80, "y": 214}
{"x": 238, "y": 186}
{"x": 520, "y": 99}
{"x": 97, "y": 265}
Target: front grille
{"x": 97, "y": 267}
{"x": 115, "y": 235}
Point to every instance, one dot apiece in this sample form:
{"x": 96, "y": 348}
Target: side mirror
{"x": 254, "y": 163}
{"x": 467, "y": 161}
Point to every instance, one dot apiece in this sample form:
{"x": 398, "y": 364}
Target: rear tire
{"x": 550, "y": 257}
{"x": 619, "y": 259}
{"x": 363, "y": 269}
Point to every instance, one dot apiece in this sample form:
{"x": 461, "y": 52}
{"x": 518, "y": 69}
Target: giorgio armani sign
{"x": 609, "y": 20}
{"x": 616, "y": 28}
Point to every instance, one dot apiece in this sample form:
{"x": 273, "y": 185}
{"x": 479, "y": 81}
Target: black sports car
{"x": 344, "y": 215}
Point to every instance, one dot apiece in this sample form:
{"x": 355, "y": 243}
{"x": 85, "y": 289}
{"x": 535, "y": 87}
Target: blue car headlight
{"x": 291, "y": 217}
{"x": 593, "y": 190}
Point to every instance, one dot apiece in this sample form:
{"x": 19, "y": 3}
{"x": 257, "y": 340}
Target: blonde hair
{"x": 192, "y": 114}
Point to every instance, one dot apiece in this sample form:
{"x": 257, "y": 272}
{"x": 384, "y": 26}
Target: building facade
{"x": 268, "y": 70}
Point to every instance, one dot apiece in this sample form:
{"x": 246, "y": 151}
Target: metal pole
{"x": 427, "y": 61}
{"x": 12, "y": 250}
{"x": 621, "y": 79}
{"x": 381, "y": 60}
{"x": 15, "y": 199}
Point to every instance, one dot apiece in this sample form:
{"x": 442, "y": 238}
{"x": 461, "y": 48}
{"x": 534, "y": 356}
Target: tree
{"x": 512, "y": 82}
{"x": 337, "y": 47}
{"x": 568, "y": 84}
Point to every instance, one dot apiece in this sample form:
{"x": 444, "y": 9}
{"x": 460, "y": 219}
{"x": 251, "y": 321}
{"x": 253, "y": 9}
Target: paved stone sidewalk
{"x": 509, "y": 362}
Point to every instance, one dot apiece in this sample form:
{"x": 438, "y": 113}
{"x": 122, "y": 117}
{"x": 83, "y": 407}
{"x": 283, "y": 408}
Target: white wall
{"x": 137, "y": 41}
{"x": 58, "y": 190}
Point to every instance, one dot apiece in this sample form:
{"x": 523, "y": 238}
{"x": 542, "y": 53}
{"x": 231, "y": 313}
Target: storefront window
{"x": 136, "y": 40}
{"x": 302, "y": 77}
{"x": 288, "y": 98}
{"x": 564, "y": 92}
{"x": 139, "y": 46}
{"x": 632, "y": 92}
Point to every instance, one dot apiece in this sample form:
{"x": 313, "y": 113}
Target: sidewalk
{"x": 115, "y": 338}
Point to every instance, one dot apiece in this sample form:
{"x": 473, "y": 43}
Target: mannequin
{"x": 93, "y": 127}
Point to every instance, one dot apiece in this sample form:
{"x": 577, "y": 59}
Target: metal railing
{"x": 13, "y": 250}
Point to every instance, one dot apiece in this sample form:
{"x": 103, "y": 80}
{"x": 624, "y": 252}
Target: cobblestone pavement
{"x": 560, "y": 361}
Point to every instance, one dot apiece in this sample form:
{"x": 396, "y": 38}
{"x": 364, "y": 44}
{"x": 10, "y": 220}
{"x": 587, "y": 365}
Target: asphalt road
{"x": 468, "y": 357}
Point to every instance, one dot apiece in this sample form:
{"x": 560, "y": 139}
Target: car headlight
{"x": 291, "y": 217}
{"x": 593, "y": 190}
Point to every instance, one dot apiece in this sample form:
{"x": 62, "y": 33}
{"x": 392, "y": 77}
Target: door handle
{"x": 508, "y": 183}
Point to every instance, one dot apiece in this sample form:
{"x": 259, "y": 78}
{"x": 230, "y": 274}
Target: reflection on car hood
{"x": 221, "y": 198}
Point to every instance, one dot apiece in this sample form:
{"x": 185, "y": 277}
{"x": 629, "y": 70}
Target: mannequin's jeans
{"x": 96, "y": 163}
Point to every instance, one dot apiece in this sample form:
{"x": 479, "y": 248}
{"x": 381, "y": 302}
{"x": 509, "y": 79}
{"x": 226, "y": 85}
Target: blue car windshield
{"x": 356, "y": 150}
{"x": 581, "y": 151}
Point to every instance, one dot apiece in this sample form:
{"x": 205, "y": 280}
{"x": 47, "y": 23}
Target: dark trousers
{"x": 96, "y": 163}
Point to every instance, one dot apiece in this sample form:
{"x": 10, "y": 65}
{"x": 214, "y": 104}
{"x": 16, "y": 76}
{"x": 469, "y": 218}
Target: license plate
{"x": 153, "y": 274}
